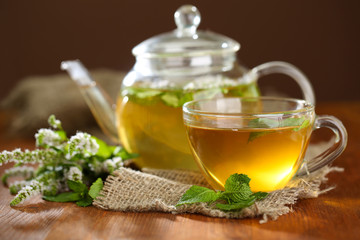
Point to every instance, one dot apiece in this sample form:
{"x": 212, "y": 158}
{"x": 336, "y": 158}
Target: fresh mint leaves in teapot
{"x": 173, "y": 68}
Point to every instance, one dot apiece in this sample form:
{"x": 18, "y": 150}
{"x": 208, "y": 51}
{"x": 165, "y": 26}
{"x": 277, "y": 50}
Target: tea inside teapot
{"x": 150, "y": 119}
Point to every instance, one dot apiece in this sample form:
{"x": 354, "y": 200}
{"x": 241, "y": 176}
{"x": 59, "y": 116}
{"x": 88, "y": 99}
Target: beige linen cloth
{"x": 160, "y": 190}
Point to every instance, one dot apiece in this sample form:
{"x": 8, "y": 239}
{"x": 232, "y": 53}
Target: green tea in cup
{"x": 264, "y": 138}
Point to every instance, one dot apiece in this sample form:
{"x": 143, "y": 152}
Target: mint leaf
{"x": 62, "y": 135}
{"x": 244, "y": 90}
{"x": 235, "y": 180}
{"x": 81, "y": 195}
{"x": 260, "y": 195}
{"x": 176, "y": 98}
{"x": 236, "y": 188}
{"x": 305, "y": 124}
{"x": 63, "y": 197}
{"x": 263, "y": 123}
{"x": 243, "y": 193}
{"x": 121, "y": 152}
{"x": 146, "y": 93}
{"x": 237, "y": 205}
{"x": 104, "y": 150}
{"x": 289, "y": 122}
{"x": 270, "y": 123}
{"x": 142, "y": 95}
{"x": 197, "y": 194}
{"x": 254, "y": 135}
{"x": 237, "y": 194}
{"x": 187, "y": 97}
{"x": 96, "y": 188}
{"x": 170, "y": 99}
{"x": 86, "y": 201}
{"x": 77, "y": 187}
{"x": 207, "y": 94}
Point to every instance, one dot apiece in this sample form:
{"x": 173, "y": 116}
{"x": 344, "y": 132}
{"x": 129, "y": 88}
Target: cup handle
{"x": 330, "y": 154}
{"x": 287, "y": 69}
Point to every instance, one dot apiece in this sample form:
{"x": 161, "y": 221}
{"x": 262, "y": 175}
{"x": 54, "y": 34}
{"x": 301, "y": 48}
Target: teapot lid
{"x": 186, "y": 40}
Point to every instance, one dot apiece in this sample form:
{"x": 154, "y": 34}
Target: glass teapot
{"x": 171, "y": 69}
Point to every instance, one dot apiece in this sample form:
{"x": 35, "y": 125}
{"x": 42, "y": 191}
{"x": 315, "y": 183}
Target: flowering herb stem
{"x": 80, "y": 159}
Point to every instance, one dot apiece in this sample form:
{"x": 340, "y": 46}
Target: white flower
{"x": 45, "y": 182}
{"x": 96, "y": 167}
{"x": 47, "y": 137}
{"x": 34, "y": 188}
{"x": 16, "y": 186}
{"x": 118, "y": 160}
{"x": 111, "y": 164}
{"x": 82, "y": 143}
{"x": 54, "y": 123}
{"x": 35, "y": 156}
{"x": 74, "y": 174}
{"x": 24, "y": 171}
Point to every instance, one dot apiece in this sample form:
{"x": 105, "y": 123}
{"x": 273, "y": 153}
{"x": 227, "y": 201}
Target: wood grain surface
{"x": 334, "y": 215}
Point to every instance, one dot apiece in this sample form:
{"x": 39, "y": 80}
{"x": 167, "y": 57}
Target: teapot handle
{"x": 287, "y": 69}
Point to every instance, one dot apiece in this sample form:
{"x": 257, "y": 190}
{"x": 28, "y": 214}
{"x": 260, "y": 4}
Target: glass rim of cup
{"x": 307, "y": 107}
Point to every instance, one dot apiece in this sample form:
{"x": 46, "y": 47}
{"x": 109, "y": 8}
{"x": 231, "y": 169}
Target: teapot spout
{"x": 98, "y": 101}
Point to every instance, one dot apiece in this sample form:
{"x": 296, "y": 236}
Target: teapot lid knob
{"x": 186, "y": 40}
{"x": 187, "y": 19}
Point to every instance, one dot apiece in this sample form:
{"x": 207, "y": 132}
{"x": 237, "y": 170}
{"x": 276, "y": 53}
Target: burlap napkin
{"x": 160, "y": 190}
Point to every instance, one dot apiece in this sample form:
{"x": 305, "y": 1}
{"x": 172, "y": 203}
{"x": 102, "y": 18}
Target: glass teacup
{"x": 265, "y": 138}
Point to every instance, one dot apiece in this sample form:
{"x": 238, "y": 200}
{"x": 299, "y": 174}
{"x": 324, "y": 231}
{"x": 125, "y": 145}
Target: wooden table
{"x": 334, "y": 215}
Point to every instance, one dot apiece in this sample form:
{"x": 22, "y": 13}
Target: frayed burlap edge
{"x": 159, "y": 190}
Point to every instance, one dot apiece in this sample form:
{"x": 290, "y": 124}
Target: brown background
{"x": 320, "y": 37}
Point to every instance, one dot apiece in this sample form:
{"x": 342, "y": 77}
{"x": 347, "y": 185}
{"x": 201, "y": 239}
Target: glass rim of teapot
{"x": 303, "y": 107}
